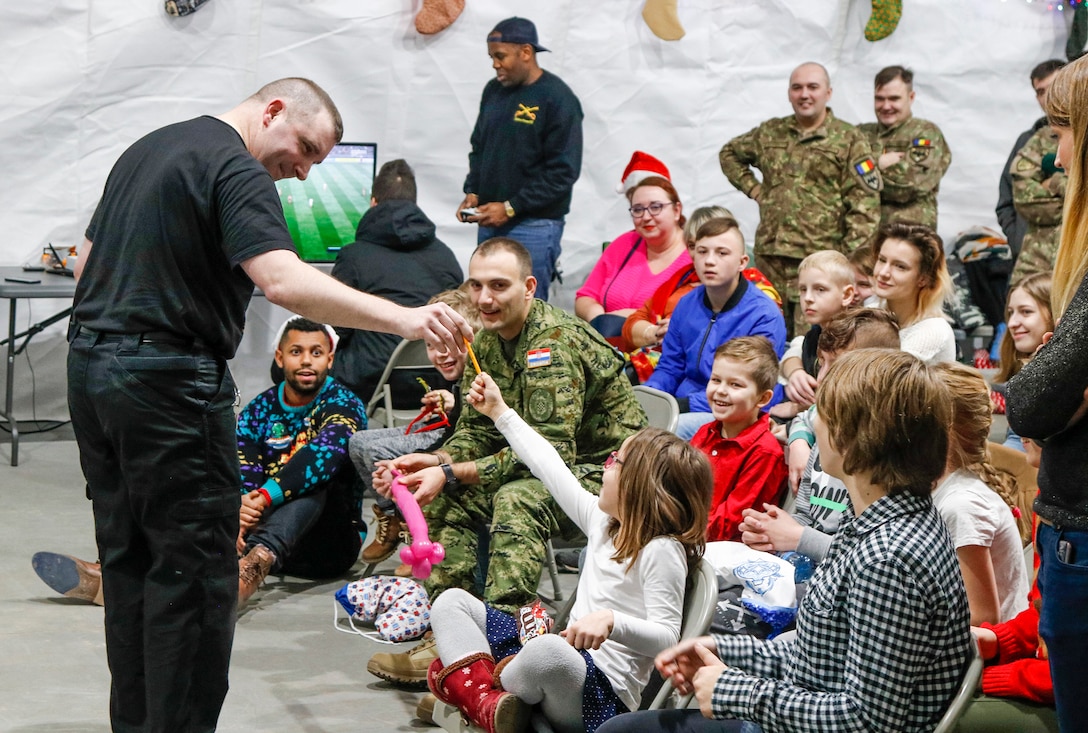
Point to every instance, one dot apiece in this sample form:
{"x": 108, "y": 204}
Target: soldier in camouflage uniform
{"x": 911, "y": 153}
{"x": 569, "y": 385}
{"x": 820, "y": 186}
{"x": 1038, "y": 192}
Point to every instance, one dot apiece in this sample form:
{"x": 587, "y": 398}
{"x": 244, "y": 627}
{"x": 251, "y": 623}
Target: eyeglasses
{"x": 612, "y": 460}
{"x": 655, "y": 208}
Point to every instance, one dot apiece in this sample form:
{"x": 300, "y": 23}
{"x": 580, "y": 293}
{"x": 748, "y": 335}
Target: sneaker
{"x": 388, "y": 533}
{"x": 252, "y": 570}
{"x": 425, "y": 708}
{"x": 70, "y": 576}
{"x": 408, "y": 669}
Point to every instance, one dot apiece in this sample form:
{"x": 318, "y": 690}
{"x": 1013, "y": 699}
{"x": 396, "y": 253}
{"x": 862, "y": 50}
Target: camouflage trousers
{"x": 782, "y": 272}
{"x": 1037, "y": 253}
{"x": 519, "y": 518}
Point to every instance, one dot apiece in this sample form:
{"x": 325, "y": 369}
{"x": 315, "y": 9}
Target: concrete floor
{"x": 290, "y": 671}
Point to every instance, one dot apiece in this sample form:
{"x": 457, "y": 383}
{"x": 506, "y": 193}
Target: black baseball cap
{"x": 515, "y": 30}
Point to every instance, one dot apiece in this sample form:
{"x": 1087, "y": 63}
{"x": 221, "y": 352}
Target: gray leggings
{"x": 547, "y": 672}
{"x": 369, "y": 446}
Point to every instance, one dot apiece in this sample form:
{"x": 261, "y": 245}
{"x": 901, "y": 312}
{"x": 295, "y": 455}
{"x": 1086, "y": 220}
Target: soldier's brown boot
{"x": 252, "y": 570}
{"x": 388, "y": 534}
{"x": 408, "y": 669}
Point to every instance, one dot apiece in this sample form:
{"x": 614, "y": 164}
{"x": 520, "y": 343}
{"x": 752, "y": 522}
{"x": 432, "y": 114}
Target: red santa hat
{"x": 642, "y": 166}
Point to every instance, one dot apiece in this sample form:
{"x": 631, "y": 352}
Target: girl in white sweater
{"x": 646, "y": 534}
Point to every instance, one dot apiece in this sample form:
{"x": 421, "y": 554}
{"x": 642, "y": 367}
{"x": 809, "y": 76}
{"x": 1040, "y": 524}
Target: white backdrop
{"x": 82, "y": 79}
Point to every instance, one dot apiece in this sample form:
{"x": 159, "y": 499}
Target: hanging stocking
{"x": 884, "y": 19}
{"x": 661, "y": 16}
{"x": 437, "y": 15}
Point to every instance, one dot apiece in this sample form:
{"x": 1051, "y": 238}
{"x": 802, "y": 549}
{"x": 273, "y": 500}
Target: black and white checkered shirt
{"x": 883, "y": 634}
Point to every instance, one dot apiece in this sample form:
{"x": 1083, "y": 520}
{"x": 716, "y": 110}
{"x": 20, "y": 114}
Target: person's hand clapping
{"x": 485, "y": 396}
{"x": 680, "y": 662}
{"x": 772, "y": 530}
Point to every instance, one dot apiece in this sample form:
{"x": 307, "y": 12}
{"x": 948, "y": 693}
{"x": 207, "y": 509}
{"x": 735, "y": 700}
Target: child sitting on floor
{"x": 646, "y": 535}
{"x": 747, "y": 460}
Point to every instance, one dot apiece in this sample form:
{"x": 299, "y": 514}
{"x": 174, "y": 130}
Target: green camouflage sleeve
{"x": 924, "y": 164}
{"x": 1038, "y": 187}
{"x": 861, "y": 187}
{"x": 737, "y": 158}
{"x": 550, "y": 398}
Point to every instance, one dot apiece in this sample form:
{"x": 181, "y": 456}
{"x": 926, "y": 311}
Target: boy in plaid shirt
{"x": 883, "y": 636}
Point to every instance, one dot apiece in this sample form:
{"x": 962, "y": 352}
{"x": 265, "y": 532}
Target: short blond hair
{"x": 832, "y": 263}
{"x": 461, "y": 302}
{"x": 756, "y": 352}
{"x": 902, "y": 442}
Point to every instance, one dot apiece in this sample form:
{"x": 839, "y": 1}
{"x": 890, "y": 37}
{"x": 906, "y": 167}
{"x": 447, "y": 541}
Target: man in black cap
{"x": 526, "y": 150}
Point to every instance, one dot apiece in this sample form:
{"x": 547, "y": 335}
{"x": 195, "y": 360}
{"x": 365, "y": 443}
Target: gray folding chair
{"x": 408, "y": 355}
{"x": 660, "y": 407}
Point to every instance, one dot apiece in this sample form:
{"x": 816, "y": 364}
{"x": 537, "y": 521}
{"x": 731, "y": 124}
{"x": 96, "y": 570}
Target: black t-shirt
{"x": 182, "y": 208}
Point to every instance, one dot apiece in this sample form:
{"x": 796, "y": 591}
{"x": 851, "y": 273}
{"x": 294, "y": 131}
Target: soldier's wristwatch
{"x": 451, "y": 480}
{"x": 509, "y": 209}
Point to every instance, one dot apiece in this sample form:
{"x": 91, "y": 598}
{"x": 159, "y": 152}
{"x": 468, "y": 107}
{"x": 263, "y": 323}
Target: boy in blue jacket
{"x": 725, "y": 306}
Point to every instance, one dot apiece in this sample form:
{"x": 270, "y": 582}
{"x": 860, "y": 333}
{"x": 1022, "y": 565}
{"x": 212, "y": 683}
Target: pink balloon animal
{"x": 422, "y": 553}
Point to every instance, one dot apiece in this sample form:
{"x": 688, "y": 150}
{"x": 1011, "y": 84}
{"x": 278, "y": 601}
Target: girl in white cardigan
{"x": 646, "y": 534}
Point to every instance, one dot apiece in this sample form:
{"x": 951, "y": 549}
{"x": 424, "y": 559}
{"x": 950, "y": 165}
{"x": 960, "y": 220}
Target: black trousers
{"x": 156, "y": 434}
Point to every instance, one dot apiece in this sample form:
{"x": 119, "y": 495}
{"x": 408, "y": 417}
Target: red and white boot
{"x": 469, "y": 685}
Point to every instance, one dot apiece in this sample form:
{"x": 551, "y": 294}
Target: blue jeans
{"x": 542, "y": 237}
{"x": 1063, "y": 620}
{"x": 313, "y": 535}
{"x": 155, "y": 426}
{"x": 690, "y": 422}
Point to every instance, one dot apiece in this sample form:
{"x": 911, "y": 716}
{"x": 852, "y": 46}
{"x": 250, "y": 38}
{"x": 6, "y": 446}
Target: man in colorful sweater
{"x": 296, "y": 514}
{"x": 296, "y": 511}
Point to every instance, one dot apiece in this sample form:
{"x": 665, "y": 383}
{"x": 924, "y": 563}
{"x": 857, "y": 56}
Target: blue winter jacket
{"x": 695, "y": 331}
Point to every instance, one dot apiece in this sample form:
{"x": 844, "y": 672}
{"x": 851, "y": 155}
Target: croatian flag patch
{"x": 538, "y": 358}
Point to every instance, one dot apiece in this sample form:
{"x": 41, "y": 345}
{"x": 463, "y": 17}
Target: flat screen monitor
{"x": 323, "y": 211}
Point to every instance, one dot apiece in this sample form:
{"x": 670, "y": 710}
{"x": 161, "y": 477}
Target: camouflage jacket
{"x": 910, "y": 186}
{"x": 1038, "y": 198}
{"x": 820, "y": 189}
{"x": 564, "y": 380}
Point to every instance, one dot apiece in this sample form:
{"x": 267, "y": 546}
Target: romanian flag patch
{"x": 865, "y": 166}
{"x": 921, "y": 142}
{"x": 538, "y": 358}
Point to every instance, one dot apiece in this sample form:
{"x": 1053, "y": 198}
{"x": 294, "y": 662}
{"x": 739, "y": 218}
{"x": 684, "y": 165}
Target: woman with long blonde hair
{"x": 1047, "y": 402}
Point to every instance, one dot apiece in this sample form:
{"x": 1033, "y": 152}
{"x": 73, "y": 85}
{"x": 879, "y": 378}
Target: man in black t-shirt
{"x": 188, "y": 223}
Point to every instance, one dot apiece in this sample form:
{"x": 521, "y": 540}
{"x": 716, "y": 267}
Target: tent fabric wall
{"x": 82, "y": 80}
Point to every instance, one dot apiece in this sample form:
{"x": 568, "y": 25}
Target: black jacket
{"x": 395, "y": 255}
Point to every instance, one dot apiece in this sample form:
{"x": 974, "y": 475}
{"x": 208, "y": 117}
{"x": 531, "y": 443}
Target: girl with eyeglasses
{"x": 646, "y": 535}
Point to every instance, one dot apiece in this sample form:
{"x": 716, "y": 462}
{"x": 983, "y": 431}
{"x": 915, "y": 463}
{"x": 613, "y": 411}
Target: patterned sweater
{"x": 290, "y": 451}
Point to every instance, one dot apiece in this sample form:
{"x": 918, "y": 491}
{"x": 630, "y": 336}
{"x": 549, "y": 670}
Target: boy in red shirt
{"x": 747, "y": 460}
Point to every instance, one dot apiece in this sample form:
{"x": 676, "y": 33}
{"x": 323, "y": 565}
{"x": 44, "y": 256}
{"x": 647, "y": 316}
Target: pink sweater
{"x": 616, "y": 285}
